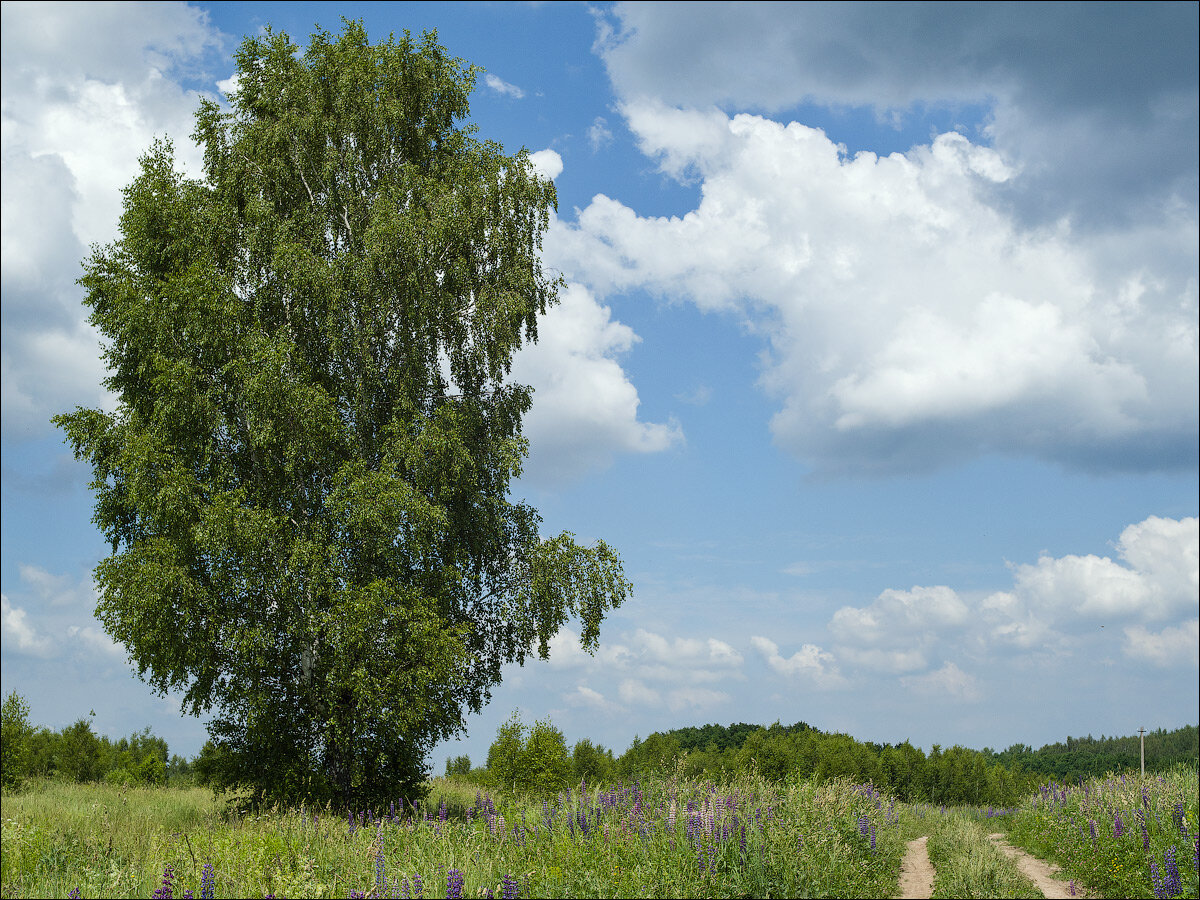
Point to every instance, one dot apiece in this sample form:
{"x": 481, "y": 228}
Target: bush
{"x": 15, "y": 733}
{"x": 524, "y": 759}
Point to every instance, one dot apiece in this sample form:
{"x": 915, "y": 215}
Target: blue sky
{"x": 877, "y": 360}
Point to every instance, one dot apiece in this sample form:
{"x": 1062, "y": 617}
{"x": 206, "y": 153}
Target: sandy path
{"x": 916, "y": 872}
{"x": 1040, "y": 873}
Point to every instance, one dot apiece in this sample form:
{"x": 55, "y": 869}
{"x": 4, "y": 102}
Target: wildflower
{"x": 379, "y": 880}
{"x": 1118, "y": 825}
{"x": 418, "y": 888}
{"x": 872, "y": 838}
{"x": 863, "y": 825}
{"x": 74, "y": 895}
{"x": 207, "y": 881}
{"x": 1071, "y": 888}
{"x": 511, "y": 888}
{"x": 165, "y": 892}
{"x": 454, "y": 885}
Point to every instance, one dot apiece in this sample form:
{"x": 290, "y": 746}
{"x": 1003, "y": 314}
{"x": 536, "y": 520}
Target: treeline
{"x": 1088, "y": 756}
{"x": 537, "y": 759}
{"x": 76, "y": 753}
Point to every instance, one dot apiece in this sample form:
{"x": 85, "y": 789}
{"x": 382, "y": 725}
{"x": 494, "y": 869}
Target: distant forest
{"x": 539, "y": 759}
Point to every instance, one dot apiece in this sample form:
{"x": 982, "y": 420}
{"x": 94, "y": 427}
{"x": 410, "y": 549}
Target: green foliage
{"x": 78, "y": 755}
{"x": 458, "y": 765}
{"x": 800, "y": 840}
{"x": 1088, "y": 757}
{"x": 15, "y": 733}
{"x": 969, "y": 865}
{"x": 529, "y": 759}
{"x": 305, "y": 481}
{"x": 1108, "y": 832}
{"x": 592, "y": 763}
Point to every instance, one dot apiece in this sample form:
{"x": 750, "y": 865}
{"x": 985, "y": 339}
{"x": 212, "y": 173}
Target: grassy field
{"x": 660, "y": 838}
{"x": 655, "y": 838}
{"x": 1121, "y": 836}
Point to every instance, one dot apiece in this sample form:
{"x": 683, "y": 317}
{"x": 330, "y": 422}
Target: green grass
{"x": 661, "y": 838}
{"x": 968, "y": 864}
{"x": 1077, "y": 827}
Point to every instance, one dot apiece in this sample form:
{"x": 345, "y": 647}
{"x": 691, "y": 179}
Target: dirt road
{"x": 917, "y": 872}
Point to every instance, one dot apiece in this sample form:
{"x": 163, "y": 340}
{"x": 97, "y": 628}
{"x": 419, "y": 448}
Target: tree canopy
{"x": 305, "y": 481}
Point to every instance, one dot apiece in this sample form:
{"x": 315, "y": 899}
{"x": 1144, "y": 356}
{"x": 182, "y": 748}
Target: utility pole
{"x": 1142, "y": 737}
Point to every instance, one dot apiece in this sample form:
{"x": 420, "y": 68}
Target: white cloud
{"x": 696, "y": 698}
{"x": 1067, "y": 90}
{"x": 637, "y": 694}
{"x": 18, "y": 628}
{"x": 911, "y": 321}
{"x": 585, "y": 409}
{"x": 810, "y": 661}
{"x": 900, "y": 615}
{"x": 547, "y": 163}
{"x": 1160, "y": 578}
{"x": 599, "y": 135}
{"x": 1173, "y": 646}
{"x": 86, "y": 89}
{"x": 95, "y": 640}
{"x": 59, "y": 590}
{"x": 948, "y": 681}
{"x": 502, "y": 87}
{"x": 591, "y": 699}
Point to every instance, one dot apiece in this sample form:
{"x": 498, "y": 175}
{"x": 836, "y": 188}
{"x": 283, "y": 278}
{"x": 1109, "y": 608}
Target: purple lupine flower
{"x": 74, "y": 895}
{"x": 418, "y": 888}
{"x": 1171, "y": 881}
{"x": 1178, "y": 817}
{"x": 404, "y": 889}
{"x": 512, "y": 888}
{"x": 863, "y": 825}
{"x": 207, "y": 882}
{"x": 454, "y": 885}
{"x": 356, "y": 895}
{"x": 166, "y": 892}
{"x": 1157, "y": 881}
{"x": 1071, "y": 887}
{"x": 872, "y": 838}
{"x": 379, "y": 863}
{"x": 1118, "y": 825}
{"x": 1092, "y": 829}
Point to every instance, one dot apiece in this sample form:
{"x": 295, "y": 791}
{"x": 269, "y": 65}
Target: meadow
{"x": 1120, "y": 835}
{"x": 655, "y": 837}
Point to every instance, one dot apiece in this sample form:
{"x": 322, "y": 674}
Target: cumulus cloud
{"x": 650, "y": 670}
{"x": 21, "y": 632}
{"x": 502, "y": 87}
{"x": 1076, "y": 93}
{"x": 899, "y": 615}
{"x": 547, "y": 163}
{"x": 585, "y": 408}
{"x": 592, "y": 699}
{"x": 1054, "y": 605}
{"x": 85, "y": 92}
{"x": 910, "y": 320}
{"x": 810, "y": 662}
{"x": 948, "y": 681}
{"x": 1173, "y": 646}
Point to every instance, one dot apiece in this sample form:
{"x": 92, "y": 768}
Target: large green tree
{"x": 306, "y": 479}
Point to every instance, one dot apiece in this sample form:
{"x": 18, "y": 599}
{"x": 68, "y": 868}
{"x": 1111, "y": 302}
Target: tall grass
{"x": 1119, "y": 835}
{"x": 657, "y": 838}
{"x": 968, "y": 864}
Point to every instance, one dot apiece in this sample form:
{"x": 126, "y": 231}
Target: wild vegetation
{"x": 1119, "y": 834}
{"x": 541, "y": 820}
